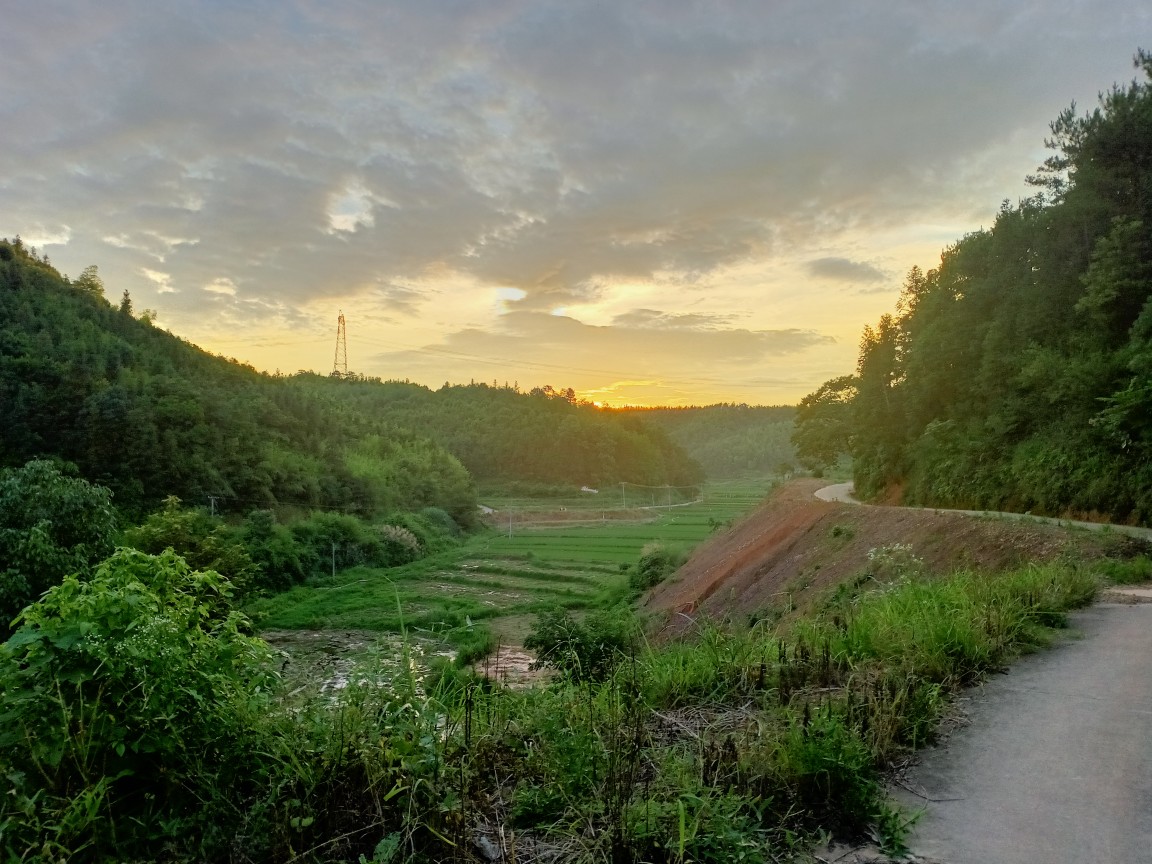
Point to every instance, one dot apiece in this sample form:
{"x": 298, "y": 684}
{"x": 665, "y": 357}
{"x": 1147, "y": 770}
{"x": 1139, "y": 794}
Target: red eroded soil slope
{"x": 795, "y": 546}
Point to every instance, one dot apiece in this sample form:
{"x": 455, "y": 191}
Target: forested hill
{"x": 502, "y": 434}
{"x": 148, "y": 415}
{"x": 1018, "y": 374}
{"x": 729, "y": 440}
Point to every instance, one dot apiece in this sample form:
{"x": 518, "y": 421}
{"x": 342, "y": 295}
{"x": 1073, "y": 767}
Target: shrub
{"x": 434, "y": 529}
{"x": 50, "y": 526}
{"x": 200, "y": 539}
{"x": 656, "y": 562}
{"x": 584, "y": 650}
{"x": 441, "y": 520}
{"x": 274, "y": 550}
{"x": 400, "y": 544}
{"x": 115, "y": 691}
{"x": 141, "y": 723}
{"x": 330, "y": 540}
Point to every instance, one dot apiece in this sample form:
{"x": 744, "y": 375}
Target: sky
{"x": 650, "y": 202}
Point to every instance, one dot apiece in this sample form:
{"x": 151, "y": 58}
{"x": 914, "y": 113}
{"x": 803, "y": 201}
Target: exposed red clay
{"x": 794, "y": 546}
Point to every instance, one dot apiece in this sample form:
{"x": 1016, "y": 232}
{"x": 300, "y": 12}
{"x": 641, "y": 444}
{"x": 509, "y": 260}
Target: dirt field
{"x": 795, "y": 547}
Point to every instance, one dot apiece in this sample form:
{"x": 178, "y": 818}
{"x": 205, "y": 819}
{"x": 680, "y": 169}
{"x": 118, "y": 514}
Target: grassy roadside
{"x": 743, "y": 746}
{"x": 732, "y": 746}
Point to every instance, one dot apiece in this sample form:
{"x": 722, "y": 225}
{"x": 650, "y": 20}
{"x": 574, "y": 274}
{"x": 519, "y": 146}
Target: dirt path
{"x": 1055, "y": 764}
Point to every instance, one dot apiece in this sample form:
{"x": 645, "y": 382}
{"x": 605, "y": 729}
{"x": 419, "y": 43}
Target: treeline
{"x": 1018, "y": 374}
{"x": 503, "y": 434}
{"x": 729, "y": 440}
{"x": 53, "y": 526}
{"x": 149, "y": 415}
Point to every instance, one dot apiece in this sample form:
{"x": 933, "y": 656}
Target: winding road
{"x": 1054, "y": 764}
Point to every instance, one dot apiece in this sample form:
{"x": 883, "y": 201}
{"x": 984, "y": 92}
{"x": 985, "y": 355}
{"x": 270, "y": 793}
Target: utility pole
{"x": 212, "y": 504}
{"x": 623, "y": 497}
{"x": 509, "y": 524}
{"x": 340, "y": 363}
{"x": 333, "y": 559}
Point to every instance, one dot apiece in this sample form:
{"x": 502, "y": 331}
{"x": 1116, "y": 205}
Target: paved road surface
{"x": 843, "y": 492}
{"x": 1056, "y": 764}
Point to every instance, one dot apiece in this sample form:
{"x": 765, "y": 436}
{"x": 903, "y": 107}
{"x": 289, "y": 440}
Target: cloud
{"x": 162, "y": 281}
{"x": 39, "y": 236}
{"x": 402, "y": 299}
{"x": 845, "y": 270}
{"x": 221, "y": 285}
{"x": 322, "y": 152}
{"x": 351, "y": 208}
{"x": 652, "y": 319}
{"x": 563, "y": 348}
{"x": 553, "y": 147}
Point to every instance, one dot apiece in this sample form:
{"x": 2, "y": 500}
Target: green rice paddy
{"x": 556, "y": 557}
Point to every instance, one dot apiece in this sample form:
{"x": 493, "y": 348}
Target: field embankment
{"x": 795, "y": 547}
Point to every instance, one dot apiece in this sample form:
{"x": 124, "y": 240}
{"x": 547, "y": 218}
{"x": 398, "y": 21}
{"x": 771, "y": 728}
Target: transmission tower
{"x": 340, "y": 364}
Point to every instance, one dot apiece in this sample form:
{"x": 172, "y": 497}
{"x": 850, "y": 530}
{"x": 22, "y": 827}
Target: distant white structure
{"x": 589, "y": 489}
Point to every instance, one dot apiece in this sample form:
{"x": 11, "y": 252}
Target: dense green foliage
{"x": 50, "y": 526}
{"x": 1018, "y": 374}
{"x": 260, "y": 555}
{"x": 203, "y": 541}
{"x": 502, "y": 434}
{"x": 141, "y": 722}
{"x": 148, "y": 415}
{"x": 729, "y": 441}
{"x": 586, "y": 649}
{"x": 656, "y": 562}
{"x": 118, "y": 692}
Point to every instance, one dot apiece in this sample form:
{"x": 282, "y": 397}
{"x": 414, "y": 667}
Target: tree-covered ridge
{"x": 1018, "y": 374}
{"x": 501, "y": 433}
{"x": 148, "y": 415}
{"x": 729, "y": 440}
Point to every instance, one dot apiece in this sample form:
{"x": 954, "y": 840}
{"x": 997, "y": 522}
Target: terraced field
{"x": 577, "y": 535}
{"x": 438, "y": 594}
{"x": 498, "y": 583}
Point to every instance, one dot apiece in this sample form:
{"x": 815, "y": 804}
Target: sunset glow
{"x": 677, "y": 204}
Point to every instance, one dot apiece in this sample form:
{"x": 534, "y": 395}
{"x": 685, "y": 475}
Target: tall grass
{"x": 733, "y": 746}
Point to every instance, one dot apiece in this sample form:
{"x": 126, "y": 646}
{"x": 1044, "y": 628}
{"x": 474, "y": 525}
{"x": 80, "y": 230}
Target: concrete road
{"x": 842, "y": 492}
{"x": 845, "y": 494}
{"x": 1056, "y": 763}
